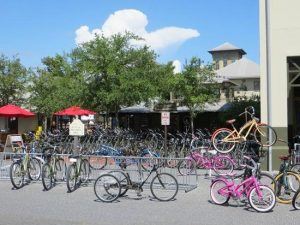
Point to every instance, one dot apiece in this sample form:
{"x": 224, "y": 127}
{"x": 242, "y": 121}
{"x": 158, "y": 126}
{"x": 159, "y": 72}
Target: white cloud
{"x": 177, "y": 66}
{"x": 135, "y": 21}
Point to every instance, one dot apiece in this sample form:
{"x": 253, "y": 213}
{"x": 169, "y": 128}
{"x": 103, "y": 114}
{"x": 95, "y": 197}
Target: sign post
{"x": 165, "y": 121}
{"x": 76, "y": 129}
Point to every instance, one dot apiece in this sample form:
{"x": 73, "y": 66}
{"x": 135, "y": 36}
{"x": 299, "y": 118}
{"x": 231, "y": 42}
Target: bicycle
{"x": 221, "y": 164}
{"x": 24, "y": 165}
{"x": 296, "y": 200}
{"x": 108, "y": 187}
{"x": 78, "y": 172}
{"x": 287, "y": 182}
{"x": 224, "y": 140}
{"x": 260, "y": 197}
{"x": 53, "y": 170}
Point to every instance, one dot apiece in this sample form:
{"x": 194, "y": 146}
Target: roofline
{"x": 229, "y": 50}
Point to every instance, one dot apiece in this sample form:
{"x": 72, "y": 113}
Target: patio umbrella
{"x": 11, "y": 110}
{"x": 74, "y": 111}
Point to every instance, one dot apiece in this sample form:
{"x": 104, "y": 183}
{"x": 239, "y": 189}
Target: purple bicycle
{"x": 221, "y": 164}
{"x": 260, "y": 197}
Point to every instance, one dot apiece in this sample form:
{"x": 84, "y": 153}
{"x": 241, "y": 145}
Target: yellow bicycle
{"x": 224, "y": 140}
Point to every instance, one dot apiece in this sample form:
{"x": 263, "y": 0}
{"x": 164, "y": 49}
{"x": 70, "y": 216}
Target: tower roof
{"x": 243, "y": 68}
{"x": 227, "y": 47}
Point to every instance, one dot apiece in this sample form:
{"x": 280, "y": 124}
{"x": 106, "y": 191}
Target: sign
{"x": 76, "y": 128}
{"x": 14, "y": 143}
{"x": 165, "y": 118}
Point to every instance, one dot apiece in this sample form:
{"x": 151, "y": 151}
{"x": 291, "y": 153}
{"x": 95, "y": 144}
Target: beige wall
{"x": 231, "y": 56}
{"x": 284, "y": 41}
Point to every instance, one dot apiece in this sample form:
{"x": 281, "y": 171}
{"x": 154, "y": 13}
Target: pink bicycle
{"x": 221, "y": 164}
{"x": 260, "y": 197}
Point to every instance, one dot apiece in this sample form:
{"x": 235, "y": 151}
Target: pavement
{"x": 31, "y": 205}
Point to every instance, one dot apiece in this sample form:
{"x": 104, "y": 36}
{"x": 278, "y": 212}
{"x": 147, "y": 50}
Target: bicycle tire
{"x": 98, "y": 162}
{"x": 261, "y": 135}
{"x": 217, "y": 140}
{"x": 123, "y": 179}
{"x": 60, "y": 169}
{"x": 47, "y": 177}
{"x": 266, "y": 179}
{"x": 107, "y": 188}
{"x": 285, "y": 189}
{"x": 186, "y": 167}
{"x": 164, "y": 187}
{"x": 16, "y": 174}
{"x": 216, "y": 196}
{"x": 223, "y": 165}
{"x": 267, "y": 199}
{"x": 148, "y": 161}
{"x": 296, "y": 168}
{"x": 296, "y": 200}
{"x": 71, "y": 178}
{"x": 84, "y": 174}
{"x": 34, "y": 169}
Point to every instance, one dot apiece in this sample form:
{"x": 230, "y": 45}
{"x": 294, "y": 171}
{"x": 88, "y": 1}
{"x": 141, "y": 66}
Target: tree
{"x": 57, "y": 86}
{"x": 13, "y": 78}
{"x": 237, "y": 106}
{"x": 118, "y": 73}
{"x": 196, "y": 86}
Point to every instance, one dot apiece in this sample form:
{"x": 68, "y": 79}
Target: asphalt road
{"x": 33, "y": 206}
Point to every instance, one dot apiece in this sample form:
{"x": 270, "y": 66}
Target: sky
{"x": 176, "y": 30}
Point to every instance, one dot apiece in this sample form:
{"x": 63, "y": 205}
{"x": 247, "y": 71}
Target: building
{"x": 280, "y": 69}
{"x": 239, "y": 76}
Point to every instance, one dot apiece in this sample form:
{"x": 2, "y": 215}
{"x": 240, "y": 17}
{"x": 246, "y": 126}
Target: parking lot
{"x": 31, "y": 205}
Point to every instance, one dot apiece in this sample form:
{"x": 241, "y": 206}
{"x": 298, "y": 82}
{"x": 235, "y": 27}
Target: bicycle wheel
{"x": 107, "y": 188}
{"x": 267, "y": 180}
{"x": 148, "y": 161}
{"x": 47, "y": 178}
{"x": 60, "y": 169}
{"x": 123, "y": 179}
{"x": 286, "y": 185}
{"x": 34, "y": 169}
{"x": 265, "y": 135}
{"x": 219, "y": 192}
{"x": 84, "y": 171}
{"x": 223, "y": 165}
{"x": 186, "y": 167}
{"x": 263, "y": 200}
{"x": 164, "y": 187}
{"x": 71, "y": 178}
{"x": 218, "y": 143}
{"x": 16, "y": 174}
{"x": 296, "y": 168}
{"x": 98, "y": 162}
{"x": 296, "y": 200}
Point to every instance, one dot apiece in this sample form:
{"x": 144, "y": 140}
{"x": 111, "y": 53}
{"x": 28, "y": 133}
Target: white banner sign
{"x": 165, "y": 118}
{"x": 76, "y": 128}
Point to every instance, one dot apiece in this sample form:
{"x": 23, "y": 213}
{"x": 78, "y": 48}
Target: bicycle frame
{"x": 238, "y": 190}
{"x": 235, "y": 136}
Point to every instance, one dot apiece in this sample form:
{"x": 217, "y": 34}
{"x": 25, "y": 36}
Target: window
{"x": 225, "y": 62}
{"x": 256, "y": 85}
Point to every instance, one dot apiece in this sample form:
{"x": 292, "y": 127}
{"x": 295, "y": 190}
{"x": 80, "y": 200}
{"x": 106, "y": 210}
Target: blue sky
{"x": 175, "y": 29}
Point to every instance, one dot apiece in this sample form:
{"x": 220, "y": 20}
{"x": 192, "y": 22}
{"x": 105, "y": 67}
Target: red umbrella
{"x": 74, "y": 111}
{"x": 11, "y": 110}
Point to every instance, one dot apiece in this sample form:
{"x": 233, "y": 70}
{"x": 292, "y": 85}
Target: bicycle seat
{"x": 284, "y": 157}
{"x": 231, "y": 121}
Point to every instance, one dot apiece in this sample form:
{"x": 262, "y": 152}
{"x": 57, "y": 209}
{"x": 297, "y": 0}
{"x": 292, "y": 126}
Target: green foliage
{"x": 56, "y": 86}
{"x": 118, "y": 73}
{"x": 196, "y": 86}
{"x": 237, "y": 107}
{"x": 13, "y": 78}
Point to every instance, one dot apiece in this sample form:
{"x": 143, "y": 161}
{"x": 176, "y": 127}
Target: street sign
{"x": 165, "y": 118}
{"x": 76, "y": 128}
